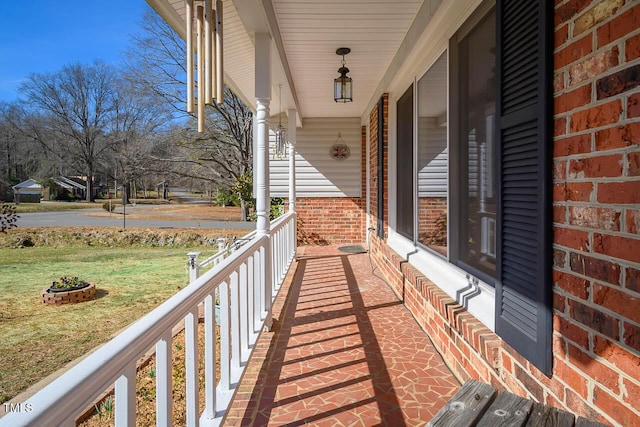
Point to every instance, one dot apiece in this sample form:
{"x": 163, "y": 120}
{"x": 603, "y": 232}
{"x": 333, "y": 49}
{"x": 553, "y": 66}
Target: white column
{"x": 262, "y": 167}
{"x": 261, "y": 176}
{"x": 291, "y": 135}
{"x": 263, "y": 98}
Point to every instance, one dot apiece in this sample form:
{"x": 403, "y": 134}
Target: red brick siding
{"x": 330, "y": 220}
{"x": 596, "y": 247}
{"x": 373, "y": 163}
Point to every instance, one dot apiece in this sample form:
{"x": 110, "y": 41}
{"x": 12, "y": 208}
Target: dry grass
{"x": 177, "y": 212}
{"x": 146, "y": 388}
{"x": 55, "y": 206}
{"x": 113, "y": 237}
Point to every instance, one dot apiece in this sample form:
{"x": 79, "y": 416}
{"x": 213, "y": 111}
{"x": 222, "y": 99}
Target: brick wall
{"x": 596, "y": 279}
{"x": 373, "y": 163}
{"x": 330, "y": 220}
{"x": 596, "y": 196}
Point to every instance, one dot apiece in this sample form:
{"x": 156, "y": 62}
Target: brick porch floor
{"x": 343, "y": 352}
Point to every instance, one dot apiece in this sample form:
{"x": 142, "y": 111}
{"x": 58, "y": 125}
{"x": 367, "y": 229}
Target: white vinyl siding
{"x": 432, "y": 161}
{"x": 317, "y": 173}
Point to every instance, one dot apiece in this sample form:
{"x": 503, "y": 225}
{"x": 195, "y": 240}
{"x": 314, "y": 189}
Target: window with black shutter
{"x": 523, "y": 123}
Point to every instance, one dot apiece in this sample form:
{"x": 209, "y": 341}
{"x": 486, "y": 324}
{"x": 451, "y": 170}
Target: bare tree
{"x": 224, "y": 152}
{"x": 76, "y": 105}
{"x": 133, "y": 130}
{"x": 20, "y": 156}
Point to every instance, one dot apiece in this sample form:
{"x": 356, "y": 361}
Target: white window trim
{"x": 471, "y": 292}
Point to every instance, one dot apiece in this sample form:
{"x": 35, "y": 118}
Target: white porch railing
{"x": 224, "y": 250}
{"x": 245, "y": 304}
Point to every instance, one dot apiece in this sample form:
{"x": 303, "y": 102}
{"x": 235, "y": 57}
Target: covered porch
{"x": 343, "y": 351}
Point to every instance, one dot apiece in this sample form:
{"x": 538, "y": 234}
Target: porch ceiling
{"x": 306, "y": 34}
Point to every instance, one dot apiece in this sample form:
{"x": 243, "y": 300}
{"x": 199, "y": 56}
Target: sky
{"x": 42, "y": 36}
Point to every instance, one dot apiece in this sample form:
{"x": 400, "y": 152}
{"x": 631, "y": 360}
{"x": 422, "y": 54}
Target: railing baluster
{"x": 225, "y": 359}
{"x": 125, "y": 409}
{"x": 251, "y": 329}
{"x": 191, "y": 362}
{"x": 209, "y": 412}
{"x": 276, "y": 261}
{"x": 257, "y": 292}
{"x": 235, "y": 325}
{"x": 244, "y": 314}
{"x": 164, "y": 386}
{"x": 281, "y": 257}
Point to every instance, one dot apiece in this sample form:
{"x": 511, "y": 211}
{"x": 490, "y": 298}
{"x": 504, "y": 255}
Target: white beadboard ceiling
{"x": 306, "y": 34}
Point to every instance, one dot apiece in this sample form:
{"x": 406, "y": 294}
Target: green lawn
{"x": 36, "y": 339}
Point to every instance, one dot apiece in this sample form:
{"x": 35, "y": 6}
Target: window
{"x": 482, "y": 198}
{"x": 475, "y": 147}
{"x": 431, "y": 177}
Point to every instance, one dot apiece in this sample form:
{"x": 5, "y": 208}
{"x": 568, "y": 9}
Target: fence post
{"x": 222, "y": 243}
{"x": 193, "y": 266}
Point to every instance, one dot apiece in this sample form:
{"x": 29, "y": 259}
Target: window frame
{"x": 455, "y": 109}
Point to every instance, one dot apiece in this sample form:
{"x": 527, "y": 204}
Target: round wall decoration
{"x": 339, "y": 152}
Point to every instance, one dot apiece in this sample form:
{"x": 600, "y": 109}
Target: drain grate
{"x": 353, "y": 249}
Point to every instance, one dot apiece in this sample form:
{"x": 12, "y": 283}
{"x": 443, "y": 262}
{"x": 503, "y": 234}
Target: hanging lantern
{"x": 342, "y": 86}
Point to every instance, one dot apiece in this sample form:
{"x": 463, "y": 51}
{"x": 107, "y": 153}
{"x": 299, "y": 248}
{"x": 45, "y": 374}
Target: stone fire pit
{"x": 71, "y": 296}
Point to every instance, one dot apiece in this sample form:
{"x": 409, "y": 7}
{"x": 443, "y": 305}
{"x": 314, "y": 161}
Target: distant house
{"x": 28, "y": 191}
{"x": 65, "y": 188}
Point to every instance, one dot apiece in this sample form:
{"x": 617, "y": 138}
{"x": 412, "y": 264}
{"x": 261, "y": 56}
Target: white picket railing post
{"x": 225, "y": 366}
{"x": 257, "y": 290}
{"x": 222, "y": 245}
{"x": 244, "y": 312}
{"x": 194, "y": 267}
{"x": 235, "y": 324}
{"x": 209, "y": 360}
{"x": 164, "y": 383}
{"x": 191, "y": 366}
{"x": 125, "y": 397}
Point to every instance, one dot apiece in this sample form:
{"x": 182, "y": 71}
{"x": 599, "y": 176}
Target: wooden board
{"x": 583, "y": 422}
{"x": 507, "y": 410}
{"x": 548, "y": 416}
{"x": 466, "y": 407}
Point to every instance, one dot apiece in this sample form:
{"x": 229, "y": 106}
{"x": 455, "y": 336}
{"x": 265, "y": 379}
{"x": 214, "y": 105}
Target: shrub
{"x": 224, "y": 197}
{"x": 8, "y": 217}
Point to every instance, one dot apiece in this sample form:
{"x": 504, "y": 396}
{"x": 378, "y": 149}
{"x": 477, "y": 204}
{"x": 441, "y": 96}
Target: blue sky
{"x": 41, "y": 36}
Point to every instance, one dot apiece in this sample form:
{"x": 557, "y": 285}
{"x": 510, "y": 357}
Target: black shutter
{"x": 380, "y": 225}
{"x": 404, "y": 173}
{"x": 524, "y": 119}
